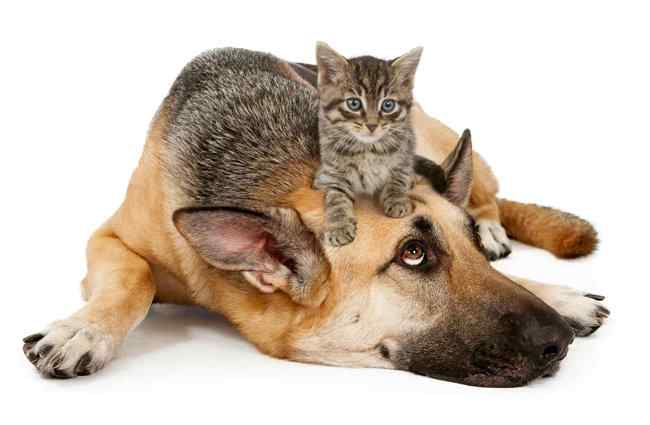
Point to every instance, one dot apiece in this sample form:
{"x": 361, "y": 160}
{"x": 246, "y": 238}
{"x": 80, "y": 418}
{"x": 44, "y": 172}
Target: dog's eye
{"x": 353, "y": 103}
{"x": 413, "y": 253}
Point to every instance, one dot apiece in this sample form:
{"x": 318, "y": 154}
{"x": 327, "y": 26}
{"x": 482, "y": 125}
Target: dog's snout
{"x": 528, "y": 344}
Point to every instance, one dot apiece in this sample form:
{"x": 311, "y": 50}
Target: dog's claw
{"x": 33, "y": 358}
{"x": 81, "y": 369}
{"x": 30, "y": 339}
{"x": 69, "y": 348}
{"x": 602, "y": 312}
{"x": 44, "y": 351}
{"x": 591, "y": 330}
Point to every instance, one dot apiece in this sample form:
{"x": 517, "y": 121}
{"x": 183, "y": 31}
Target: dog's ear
{"x": 331, "y": 66}
{"x": 458, "y": 170}
{"x": 404, "y": 67}
{"x": 273, "y": 249}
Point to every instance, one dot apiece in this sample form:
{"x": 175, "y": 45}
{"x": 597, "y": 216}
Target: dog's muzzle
{"x": 526, "y": 350}
{"x": 515, "y": 350}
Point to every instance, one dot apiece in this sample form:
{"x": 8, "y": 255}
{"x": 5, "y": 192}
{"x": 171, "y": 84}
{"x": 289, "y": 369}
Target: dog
{"x": 220, "y": 213}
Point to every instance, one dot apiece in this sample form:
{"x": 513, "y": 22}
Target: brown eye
{"x": 413, "y": 254}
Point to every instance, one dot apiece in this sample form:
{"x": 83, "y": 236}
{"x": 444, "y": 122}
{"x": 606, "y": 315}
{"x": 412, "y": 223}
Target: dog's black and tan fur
{"x": 220, "y": 213}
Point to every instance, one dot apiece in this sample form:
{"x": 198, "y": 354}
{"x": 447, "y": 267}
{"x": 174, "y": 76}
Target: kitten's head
{"x": 365, "y": 96}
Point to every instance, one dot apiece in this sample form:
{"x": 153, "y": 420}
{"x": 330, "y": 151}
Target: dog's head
{"x": 414, "y": 293}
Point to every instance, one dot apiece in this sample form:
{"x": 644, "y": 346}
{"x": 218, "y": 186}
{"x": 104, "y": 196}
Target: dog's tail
{"x": 561, "y": 233}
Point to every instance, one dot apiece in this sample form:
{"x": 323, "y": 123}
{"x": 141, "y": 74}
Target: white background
{"x": 556, "y": 95}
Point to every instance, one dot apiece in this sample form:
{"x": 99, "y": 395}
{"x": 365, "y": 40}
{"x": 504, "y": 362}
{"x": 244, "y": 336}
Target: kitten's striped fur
{"x": 369, "y": 150}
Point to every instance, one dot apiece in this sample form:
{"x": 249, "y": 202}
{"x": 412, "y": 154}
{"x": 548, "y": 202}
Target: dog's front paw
{"x": 398, "y": 207}
{"x": 494, "y": 241}
{"x": 341, "y": 234}
{"x": 584, "y": 312}
{"x": 68, "y": 348}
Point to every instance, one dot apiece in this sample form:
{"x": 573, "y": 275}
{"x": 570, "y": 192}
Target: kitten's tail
{"x": 432, "y": 172}
{"x": 561, "y": 233}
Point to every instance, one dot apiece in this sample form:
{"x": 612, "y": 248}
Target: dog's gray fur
{"x": 236, "y": 118}
{"x": 234, "y": 121}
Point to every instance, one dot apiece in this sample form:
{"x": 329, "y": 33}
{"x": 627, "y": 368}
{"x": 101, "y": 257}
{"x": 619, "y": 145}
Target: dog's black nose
{"x": 527, "y": 342}
{"x": 542, "y": 338}
{"x": 371, "y": 127}
{"x": 547, "y": 344}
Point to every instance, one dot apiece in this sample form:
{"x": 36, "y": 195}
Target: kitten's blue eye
{"x": 353, "y": 103}
{"x": 388, "y": 105}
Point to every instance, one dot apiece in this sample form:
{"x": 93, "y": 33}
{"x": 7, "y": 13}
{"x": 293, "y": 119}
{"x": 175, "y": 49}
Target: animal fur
{"x": 220, "y": 213}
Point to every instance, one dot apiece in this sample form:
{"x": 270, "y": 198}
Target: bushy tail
{"x": 563, "y": 234}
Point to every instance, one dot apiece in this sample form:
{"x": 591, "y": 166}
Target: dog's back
{"x": 237, "y": 123}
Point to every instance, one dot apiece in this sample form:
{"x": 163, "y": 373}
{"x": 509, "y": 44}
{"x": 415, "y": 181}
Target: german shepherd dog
{"x": 220, "y": 213}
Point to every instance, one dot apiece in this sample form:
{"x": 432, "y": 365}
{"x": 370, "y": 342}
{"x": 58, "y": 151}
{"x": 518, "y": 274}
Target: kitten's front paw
{"x": 398, "y": 207}
{"x": 342, "y": 234}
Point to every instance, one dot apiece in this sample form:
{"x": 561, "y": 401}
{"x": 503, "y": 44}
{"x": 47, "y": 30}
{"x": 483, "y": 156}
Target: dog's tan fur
{"x": 140, "y": 242}
{"x": 138, "y": 256}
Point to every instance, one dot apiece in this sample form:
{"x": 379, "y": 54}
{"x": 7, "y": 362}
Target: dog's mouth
{"x": 513, "y": 374}
{"x": 506, "y": 377}
{"x": 497, "y": 368}
{"x": 512, "y": 368}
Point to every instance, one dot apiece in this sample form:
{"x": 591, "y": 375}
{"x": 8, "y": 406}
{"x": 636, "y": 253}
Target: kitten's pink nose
{"x": 371, "y": 127}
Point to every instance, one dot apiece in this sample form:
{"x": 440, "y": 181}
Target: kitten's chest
{"x": 368, "y": 174}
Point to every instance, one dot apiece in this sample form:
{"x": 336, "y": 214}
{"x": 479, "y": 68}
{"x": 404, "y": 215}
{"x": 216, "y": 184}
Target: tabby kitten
{"x": 366, "y": 141}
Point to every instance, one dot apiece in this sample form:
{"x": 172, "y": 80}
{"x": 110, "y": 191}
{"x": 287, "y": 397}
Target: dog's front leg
{"x": 119, "y": 289}
{"x": 583, "y": 311}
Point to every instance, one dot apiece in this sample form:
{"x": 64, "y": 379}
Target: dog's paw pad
{"x": 68, "y": 348}
{"x": 494, "y": 240}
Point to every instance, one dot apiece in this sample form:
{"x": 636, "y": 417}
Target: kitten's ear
{"x": 458, "y": 169}
{"x": 272, "y": 249}
{"x": 331, "y": 65}
{"x": 405, "y": 66}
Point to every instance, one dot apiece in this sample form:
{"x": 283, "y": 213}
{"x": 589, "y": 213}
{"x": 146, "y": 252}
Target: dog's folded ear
{"x": 458, "y": 168}
{"x": 273, "y": 249}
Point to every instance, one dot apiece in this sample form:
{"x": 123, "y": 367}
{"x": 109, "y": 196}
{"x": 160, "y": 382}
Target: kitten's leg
{"x": 341, "y": 228}
{"x": 341, "y": 222}
{"x": 394, "y": 195}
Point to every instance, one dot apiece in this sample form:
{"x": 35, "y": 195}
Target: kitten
{"x": 367, "y": 144}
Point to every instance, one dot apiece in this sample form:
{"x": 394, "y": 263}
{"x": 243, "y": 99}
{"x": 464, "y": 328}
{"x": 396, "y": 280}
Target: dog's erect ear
{"x": 404, "y": 67}
{"x": 458, "y": 170}
{"x": 331, "y": 66}
{"x": 273, "y": 249}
